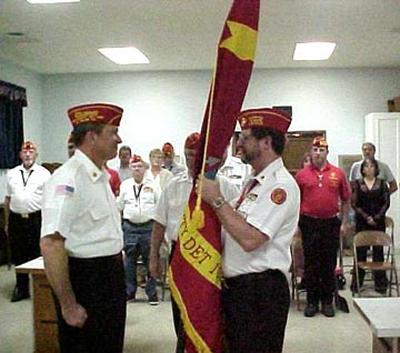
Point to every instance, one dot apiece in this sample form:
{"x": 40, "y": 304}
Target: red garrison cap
{"x": 103, "y": 113}
{"x": 28, "y": 145}
{"x": 135, "y": 158}
{"x": 320, "y": 141}
{"x": 168, "y": 149}
{"x": 264, "y": 117}
{"x": 192, "y": 141}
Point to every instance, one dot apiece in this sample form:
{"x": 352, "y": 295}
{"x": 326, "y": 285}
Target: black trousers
{"x": 24, "y": 242}
{"x": 99, "y": 286}
{"x": 320, "y": 245}
{"x": 255, "y": 308}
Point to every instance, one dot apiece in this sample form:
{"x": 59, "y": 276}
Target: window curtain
{"x": 12, "y": 101}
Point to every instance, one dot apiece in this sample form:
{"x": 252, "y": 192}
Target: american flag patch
{"x": 64, "y": 190}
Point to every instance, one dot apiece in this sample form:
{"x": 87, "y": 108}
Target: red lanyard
{"x": 249, "y": 186}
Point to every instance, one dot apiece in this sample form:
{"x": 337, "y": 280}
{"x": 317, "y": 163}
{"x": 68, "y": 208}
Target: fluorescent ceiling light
{"x": 125, "y": 56}
{"x": 50, "y": 1}
{"x": 313, "y": 51}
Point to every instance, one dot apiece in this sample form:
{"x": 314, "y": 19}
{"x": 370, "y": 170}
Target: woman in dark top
{"x": 370, "y": 201}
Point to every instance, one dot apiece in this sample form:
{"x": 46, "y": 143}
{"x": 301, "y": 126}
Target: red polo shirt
{"x": 114, "y": 180}
{"x": 321, "y": 190}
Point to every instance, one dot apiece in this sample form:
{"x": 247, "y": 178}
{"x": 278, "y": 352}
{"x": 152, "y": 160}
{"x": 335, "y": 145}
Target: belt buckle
{"x": 25, "y": 215}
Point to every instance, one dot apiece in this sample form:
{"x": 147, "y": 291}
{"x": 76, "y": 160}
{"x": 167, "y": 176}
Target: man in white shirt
{"x": 257, "y": 228}
{"x": 23, "y": 203}
{"x": 82, "y": 237}
{"x": 168, "y": 160}
{"x": 368, "y": 151}
{"x": 169, "y": 213}
{"x": 156, "y": 173}
{"x": 137, "y": 201}
{"x": 125, "y": 155}
{"x": 234, "y": 169}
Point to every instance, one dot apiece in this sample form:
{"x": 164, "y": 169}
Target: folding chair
{"x": 376, "y": 238}
{"x": 297, "y": 268}
{"x": 389, "y": 225}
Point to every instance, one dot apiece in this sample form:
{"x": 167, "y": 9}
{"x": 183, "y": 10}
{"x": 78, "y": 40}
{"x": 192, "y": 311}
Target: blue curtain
{"x": 12, "y": 101}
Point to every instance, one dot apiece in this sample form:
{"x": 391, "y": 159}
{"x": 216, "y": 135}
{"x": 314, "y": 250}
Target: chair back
{"x": 372, "y": 238}
{"x": 296, "y": 250}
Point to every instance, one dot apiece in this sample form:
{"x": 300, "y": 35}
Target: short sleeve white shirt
{"x": 78, "y": 204}
{"x": 25, "y": 188}
{"x": 237, "y": 171}
{"x": 174, "y": 198}
{"x": 138, "y": 201}
{"x": 272, "y": 207}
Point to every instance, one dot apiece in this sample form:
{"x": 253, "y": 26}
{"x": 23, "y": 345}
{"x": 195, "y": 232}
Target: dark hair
{"x": 278, "y": 139}
{"x": 79, "y": 131}
{"x": 369, "y": 144}
{"x": 125, "y": 148}
{"x": 306, "y": 156}
{"x": 373, "y": 162}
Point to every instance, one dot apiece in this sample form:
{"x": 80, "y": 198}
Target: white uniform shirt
{"x": 175, "y": 168}
{"x": 174, "y": 198}
{"x": 384, "y": 172}
{"x": 160, "y": 179}
{"x": 138, "y": 201}
{"x": 277, "y": 221}
{"x": 26, "y": 189}
{"x": 79, "y": 204}
{"x": 124, "y": 173}
{"x": 237, "y": 171}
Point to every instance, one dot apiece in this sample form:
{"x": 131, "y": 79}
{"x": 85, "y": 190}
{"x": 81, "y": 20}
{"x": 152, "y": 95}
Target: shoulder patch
{"x": 278, "y": 196}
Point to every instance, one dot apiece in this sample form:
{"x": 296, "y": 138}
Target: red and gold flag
{"x": 195, "y": 270}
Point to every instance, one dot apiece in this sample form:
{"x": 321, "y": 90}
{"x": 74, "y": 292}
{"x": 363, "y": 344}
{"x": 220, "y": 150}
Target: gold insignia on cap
{"x": 86, "y": 116}
{"x": 256, "y": 120}
{"x": 278, "y": 196}
{"x": 94, "y": 174}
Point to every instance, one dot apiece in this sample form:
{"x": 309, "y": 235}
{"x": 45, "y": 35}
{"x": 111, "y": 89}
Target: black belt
{"x": 249, "y": 278}
{"x": 138, "y": 224}
{"x": 27, "y": 215}
{"x": 95, "y": 260}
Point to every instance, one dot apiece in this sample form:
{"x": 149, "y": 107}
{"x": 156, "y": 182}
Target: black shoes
{"x": 381, "y": 289}
{"x": 310, "y": 310}
{"x": 131, "y": 297}
{"x": 19, "y": 295}
{"x": 153, "y": 300}
{"x": 327, "y": 310}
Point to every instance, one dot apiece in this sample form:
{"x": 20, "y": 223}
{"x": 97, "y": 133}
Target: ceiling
{"x": 182, "y": 34}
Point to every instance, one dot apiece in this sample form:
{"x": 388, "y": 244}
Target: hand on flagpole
{"x": 208, "y": 189}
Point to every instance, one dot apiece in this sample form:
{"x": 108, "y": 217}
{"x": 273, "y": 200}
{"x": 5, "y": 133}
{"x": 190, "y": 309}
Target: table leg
{"x": 395, "y": 346}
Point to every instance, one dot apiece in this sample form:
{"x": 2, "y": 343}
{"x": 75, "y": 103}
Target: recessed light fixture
{"x": 313, "y": 50}
{"x": 50, "y": 1}
{"x": 125, "y": 56}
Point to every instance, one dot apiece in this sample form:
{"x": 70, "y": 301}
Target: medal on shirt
{"x": 320, "y": 176}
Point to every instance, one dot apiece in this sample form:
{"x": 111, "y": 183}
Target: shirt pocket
{"x": 92, "y": 220}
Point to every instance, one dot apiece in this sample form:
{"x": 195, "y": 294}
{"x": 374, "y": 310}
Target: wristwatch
{"x": 218, "y": 202}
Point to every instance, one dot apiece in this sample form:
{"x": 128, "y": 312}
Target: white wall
{"x": 166, "y": 106}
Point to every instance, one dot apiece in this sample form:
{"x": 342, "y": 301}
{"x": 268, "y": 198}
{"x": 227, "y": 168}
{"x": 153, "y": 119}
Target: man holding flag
{"x": 257, "y": 230}
{"x": 194, "y": 274}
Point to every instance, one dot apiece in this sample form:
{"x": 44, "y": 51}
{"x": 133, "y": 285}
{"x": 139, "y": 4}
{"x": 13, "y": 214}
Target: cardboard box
{"x": 394, "y": 105}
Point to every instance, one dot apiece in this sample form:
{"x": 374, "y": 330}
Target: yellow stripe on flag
{"x": 198, "y": 252}
{"x": 190, "y": 330}
{"x": 242, "y": 42}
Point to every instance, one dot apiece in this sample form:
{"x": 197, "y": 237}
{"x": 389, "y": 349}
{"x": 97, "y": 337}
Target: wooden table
{"x": 44, "y": 313}
{"x": 383, "y": 316}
